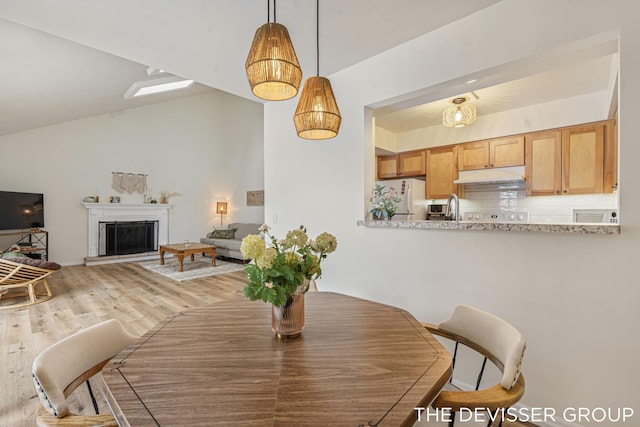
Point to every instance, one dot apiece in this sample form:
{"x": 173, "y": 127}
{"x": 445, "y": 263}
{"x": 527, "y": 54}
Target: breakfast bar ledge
{"x": 494, "y": 226}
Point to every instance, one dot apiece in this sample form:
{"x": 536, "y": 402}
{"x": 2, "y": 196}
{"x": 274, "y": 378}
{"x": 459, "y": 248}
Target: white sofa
{"x": 230, "y": 248}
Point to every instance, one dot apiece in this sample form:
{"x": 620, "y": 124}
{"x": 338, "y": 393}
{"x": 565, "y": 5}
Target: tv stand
{"x": 34, "y": 243}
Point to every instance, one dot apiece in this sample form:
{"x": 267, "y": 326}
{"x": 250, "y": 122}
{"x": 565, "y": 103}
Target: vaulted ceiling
{"x": 64, "y": 60}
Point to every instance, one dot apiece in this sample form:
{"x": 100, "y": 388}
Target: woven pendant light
{"x": 272, "y": 66}
{"x": 459, "y": 114}
{"x": 317, "y": 115}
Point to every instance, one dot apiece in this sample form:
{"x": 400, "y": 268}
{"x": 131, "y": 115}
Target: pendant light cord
{"x": 317, "y": 37}
{"x": 269, "y": 11}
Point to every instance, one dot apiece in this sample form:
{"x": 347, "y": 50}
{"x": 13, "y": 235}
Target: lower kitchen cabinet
{"x": 442, "y": 170}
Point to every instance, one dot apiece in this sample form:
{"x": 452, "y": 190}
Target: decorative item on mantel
{"x": 384, "y": 202}
{"x": 166, "y": 195}
{"x": 281, "y": 272}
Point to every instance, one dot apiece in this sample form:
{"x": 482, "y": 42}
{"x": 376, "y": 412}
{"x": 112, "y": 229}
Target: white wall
{"x": 575, "y": 297}
{"x": 576, "y": 110}
{"x": 206, "y": 147}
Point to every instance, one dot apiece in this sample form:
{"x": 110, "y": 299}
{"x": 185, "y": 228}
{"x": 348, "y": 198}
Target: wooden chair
{"x": 496, "y": 340}
{"x": 65, "y": 365}
{"x": 16, "y": 274}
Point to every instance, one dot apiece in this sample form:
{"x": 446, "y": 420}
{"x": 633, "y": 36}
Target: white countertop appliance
{"x": 601, "y": 216}
{"x": 413, "y": 205}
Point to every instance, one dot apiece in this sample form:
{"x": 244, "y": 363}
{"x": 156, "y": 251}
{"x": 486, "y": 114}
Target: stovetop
{"x": 497, "y": 216}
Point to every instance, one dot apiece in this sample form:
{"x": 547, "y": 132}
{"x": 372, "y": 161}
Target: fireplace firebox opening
{"x": 127, "y": 237}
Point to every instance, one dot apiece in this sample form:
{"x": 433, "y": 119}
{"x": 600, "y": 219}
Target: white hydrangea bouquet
{"x": 280, "y": 268}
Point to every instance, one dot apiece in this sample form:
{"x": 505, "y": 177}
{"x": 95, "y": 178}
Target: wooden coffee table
{"x": 181, "y": 250}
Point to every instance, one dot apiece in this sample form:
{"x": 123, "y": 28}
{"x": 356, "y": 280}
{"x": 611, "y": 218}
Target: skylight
{"x": 150, "y": 87}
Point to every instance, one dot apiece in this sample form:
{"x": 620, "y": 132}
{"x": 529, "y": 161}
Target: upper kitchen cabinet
{"x": 387, "y": 166}
{"x": 611, "y": 157}
{"x": 543, "y": 163}
{"x": 583, "y": 159}
{"x": 412, "y": 163}
{"x": 402, "y": 165}
{"x": 442, "y": 170}
{"x": 569, "y": 161}
{"x": 494, "y": 153}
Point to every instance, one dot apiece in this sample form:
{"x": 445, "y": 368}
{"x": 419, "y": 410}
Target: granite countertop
{"x": 495, "y": 226}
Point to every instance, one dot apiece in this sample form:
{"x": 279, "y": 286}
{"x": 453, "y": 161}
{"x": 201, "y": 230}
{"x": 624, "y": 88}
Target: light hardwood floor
{"x": 84, "y": 296}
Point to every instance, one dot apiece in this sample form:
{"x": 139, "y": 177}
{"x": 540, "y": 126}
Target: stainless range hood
{"x": 513, "y": 175}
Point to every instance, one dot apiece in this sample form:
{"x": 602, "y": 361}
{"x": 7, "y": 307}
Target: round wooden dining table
{"x": 357, "y": 363}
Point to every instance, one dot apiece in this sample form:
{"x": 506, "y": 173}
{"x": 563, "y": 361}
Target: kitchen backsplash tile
{"x": 542, "y": 209}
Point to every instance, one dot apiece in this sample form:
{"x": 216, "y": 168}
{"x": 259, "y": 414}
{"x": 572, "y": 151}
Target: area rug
{"x": 192, "y": 269}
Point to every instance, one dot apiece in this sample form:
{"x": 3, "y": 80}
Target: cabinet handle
{"x": 486, "y": 166}
{"x": 491, "y": 165}
{"x": 557, "y": 191}
{"x": 564, "y": 191}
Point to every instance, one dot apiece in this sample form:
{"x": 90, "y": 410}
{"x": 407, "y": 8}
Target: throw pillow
{"x": 223, "y": 234}
{"x": 12, "y": 255}
{"x": 47, "y": 265}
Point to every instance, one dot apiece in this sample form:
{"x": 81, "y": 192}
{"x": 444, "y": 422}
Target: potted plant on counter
{"x": 384, "y": 202}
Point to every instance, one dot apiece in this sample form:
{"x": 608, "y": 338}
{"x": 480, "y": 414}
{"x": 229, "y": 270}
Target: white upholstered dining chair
{"x": 496, "y": 340}
{"x": 64, "y": 366}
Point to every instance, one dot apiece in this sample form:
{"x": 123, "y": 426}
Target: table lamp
{"x": 221, "y": 208}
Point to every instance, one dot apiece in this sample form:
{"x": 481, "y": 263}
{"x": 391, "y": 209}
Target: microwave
{"x": 435, "y": 212}
{"x": 598, "y": 216}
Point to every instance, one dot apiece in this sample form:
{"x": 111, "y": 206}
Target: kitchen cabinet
{"x": 492, "y": 153}
{"x": 412, "y": 163}
{"x": 611, "y": 157}
{"x": 442, "y": 170}
{"x": 387, "y": 166}
{"x": 402, "y": 165}
{"x": 543, "y": 163}
{"x": 567, "y": 161}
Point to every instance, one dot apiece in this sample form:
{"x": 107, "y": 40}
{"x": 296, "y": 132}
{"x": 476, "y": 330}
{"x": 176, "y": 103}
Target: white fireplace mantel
{"x": 105, "y": 212}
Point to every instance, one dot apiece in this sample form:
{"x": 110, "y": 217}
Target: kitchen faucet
{"x": 447, "y": 212}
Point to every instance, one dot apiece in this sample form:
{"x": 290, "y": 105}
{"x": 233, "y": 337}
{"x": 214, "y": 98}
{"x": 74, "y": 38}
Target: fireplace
{"x": 125, "y": 229}
{"x": 127, "y": 237}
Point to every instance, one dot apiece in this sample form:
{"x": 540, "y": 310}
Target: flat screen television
{"x": 19, "y": 211}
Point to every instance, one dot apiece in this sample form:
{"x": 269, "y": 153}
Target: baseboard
{"x": 146, "y": 256}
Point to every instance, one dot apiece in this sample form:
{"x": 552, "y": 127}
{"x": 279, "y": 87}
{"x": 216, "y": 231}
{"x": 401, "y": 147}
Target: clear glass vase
{"x": 287, "y": 321}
